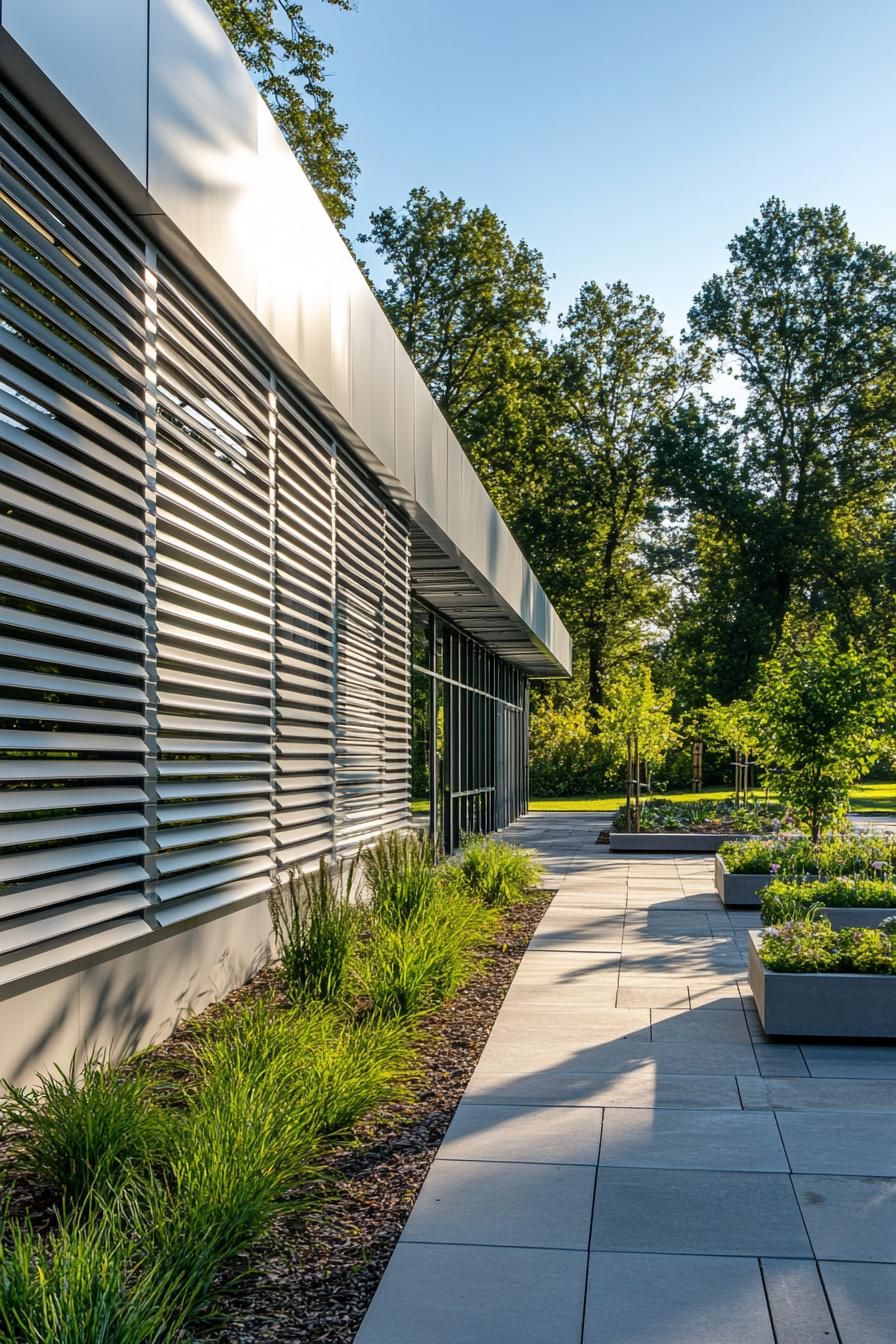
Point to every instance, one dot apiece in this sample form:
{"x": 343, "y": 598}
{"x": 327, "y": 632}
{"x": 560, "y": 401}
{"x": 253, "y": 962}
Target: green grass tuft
{"x": 83, "y": 1130}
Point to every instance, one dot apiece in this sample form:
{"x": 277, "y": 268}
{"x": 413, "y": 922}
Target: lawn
{"x": 879, "y": 796}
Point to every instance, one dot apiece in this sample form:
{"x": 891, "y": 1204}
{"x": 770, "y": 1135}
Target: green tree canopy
{"x": 790, "y": 496}
{"x": 288, "y": 63}
{"x": 823, "y": 714}
{"x": 465, "y": 299}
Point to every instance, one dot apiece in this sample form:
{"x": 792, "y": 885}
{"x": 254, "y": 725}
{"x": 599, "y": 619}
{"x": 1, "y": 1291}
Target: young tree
{"x": 732, "y": 727}
{"x": 823, "y": 714}
{"x": 288, "y": 63}
{"x": 635, "y": 729}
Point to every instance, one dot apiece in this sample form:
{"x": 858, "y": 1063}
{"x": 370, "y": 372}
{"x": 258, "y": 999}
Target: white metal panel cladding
{"x": 72, "y": 562}
{"x": 373, "y": 663}
{"x": 215, "y": 577}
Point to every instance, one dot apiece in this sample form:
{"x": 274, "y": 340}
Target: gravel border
{"x": 311, "y": 1280}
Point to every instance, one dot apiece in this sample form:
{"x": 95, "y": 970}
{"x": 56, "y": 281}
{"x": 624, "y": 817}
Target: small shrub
{"x": 349, "y": 1068}
{"x": 812, "y": 947}
{"x": 314, "y": 925}
{"x": 496, "y": 872}
{"x": 858, "y": 856}
{"x": 81, "y": 1130}
{"x": 400, "y": 869}
{"x": 410, "y": 967}
{"x": 783, "y": 901}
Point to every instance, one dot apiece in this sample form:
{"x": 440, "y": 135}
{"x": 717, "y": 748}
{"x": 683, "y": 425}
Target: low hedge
{"x": 858, "y": 856}
{"x": 782, "y": 900}
{"x": 812, "y": 947}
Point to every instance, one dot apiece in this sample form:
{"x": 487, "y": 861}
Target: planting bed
{"x": 312, "y": 1280}
{"x": 822, "y": 1005}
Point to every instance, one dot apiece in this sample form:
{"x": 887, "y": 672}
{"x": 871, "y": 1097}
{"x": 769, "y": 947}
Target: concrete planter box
{"x": 668, "y": 842}
{"x": 740, "y": 889}
{"x": 822, "y": 1005}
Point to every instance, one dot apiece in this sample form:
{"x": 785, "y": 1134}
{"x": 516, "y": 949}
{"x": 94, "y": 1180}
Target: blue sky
{"x": 629, "y": 139}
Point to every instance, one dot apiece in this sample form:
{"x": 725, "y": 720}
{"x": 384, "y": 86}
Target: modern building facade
{"x": 252, "y": 594}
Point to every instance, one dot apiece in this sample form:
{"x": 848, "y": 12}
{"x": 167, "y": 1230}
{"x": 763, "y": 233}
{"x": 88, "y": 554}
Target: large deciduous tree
{"x": 288, "y": 63}
{"x": 620, "y": 377}
{"x": 466, "y": 300}
{"x": 789, "y": 491}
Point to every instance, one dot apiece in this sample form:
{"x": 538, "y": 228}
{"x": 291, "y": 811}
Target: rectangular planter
{"x": 668, "y": 842}
{"x": 822, "y": 1005}
{"x": 739, "y": 889}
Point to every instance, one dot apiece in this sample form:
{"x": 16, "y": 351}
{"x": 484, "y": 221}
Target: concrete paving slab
{"x": 819, "y": 1141}
{"x": 654, "y": 994}
{"x": 504, "y": 1204}
{"x": 693, "y": 1139}
{"x": 697, "y": 1212}
{"x": 674, "y": 1299}
{"x": 849, "y": 1217}
{"x": 863, "y": 1300}
{"x": 851, "y": 1061}
{"x": 818, "y": 1094}
{"x": 643, "y": 1088}
{"x": 567, "y": 1135}
{"x": 699, "y": 1024}
{"x": 477, "y": 1295}
{"x": 797, "y": 1302}
{"x": 630, "y": 1055}
{"x": 780, "y": 1061}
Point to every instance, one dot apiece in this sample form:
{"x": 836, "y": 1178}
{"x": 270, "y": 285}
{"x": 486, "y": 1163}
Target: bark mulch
{"x": 312, "y": 1279}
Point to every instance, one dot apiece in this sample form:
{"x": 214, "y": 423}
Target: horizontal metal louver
{"x": 372, "y": 701}
{"x": 72, "y": 561}
{"x": 305, "y": 503}
{"x": 214, "y": 613}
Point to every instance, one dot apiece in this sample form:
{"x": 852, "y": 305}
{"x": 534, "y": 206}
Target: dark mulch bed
{"x": 313, "y": 1279}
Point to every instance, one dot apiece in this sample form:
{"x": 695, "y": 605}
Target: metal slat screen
{"x": 204, "y": 601}
{"x": 72, "y": 563}
{"x": 373, "y": 664}
{"x": 214, "y": 564}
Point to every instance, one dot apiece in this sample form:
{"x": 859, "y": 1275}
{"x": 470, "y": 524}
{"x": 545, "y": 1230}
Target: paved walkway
{"x": 633, "y": 1162}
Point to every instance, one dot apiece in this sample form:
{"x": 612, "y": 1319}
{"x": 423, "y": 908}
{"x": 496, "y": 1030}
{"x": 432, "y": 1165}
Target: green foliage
{"x": 872, "y": 857}
{"x": 466, "y": 301}
{"x": 812, "y": 946}
{"x": 564, "y": 757}
{"x": 782, "y": 900}
{"x": 635, "y": 706}
{"x": 497, "y": 873}
{"x": 820, "y": 712}
{"x": 400, "y": 870}
{"x": 786, "y": 494}
{"x": 407, "y": 968}
{"x": 85, "y": 1283}
{"x": 314, "y": 925}
{"x": 288, "y": 64}
{"x": 85, "y": 1129}
{"x": 788, "y": 854}
{"x": 713, "y": 815}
